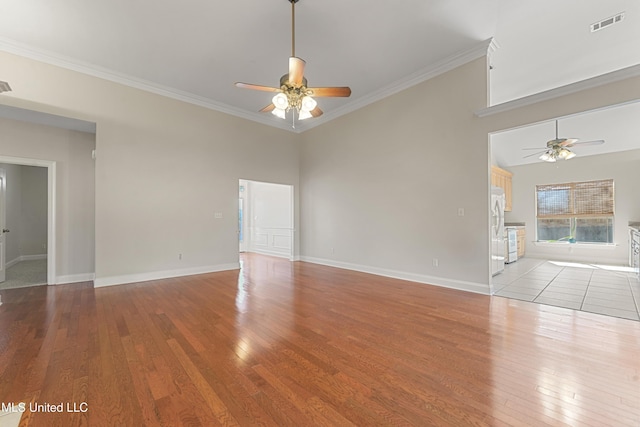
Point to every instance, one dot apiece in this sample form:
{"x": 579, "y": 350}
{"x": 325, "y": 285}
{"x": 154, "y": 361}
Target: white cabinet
{"x": 634, "y": 250}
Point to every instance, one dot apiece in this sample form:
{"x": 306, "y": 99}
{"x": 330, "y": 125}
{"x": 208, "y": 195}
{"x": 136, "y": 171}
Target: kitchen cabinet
{"x": 502, "y": 178}
{"x": 522, "y": 241}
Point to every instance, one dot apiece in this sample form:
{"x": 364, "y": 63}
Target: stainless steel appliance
{"x": 497, "y": 230}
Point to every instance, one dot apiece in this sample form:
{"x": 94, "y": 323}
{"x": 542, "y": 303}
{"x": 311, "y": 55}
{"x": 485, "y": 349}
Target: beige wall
{"x": 622, "y": 167}
{"x": 75, "y": 188}
{"x": 381, "y": 187}
{"x": 163, "y": 169}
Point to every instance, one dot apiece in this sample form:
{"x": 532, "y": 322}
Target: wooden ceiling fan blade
{"x": 257, "y": 87}
{"x": 268, "y": 108}
{"x": 330, "y": 91}
{"x": 567, "y": 142}
{"x": 296, "y": 70}
{"x": 316, "y": 112}
{"x": 537, "y": 148}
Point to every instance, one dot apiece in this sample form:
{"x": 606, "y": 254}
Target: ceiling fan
{"x": 293, "y": 93}
{"x": 558, "y": 148}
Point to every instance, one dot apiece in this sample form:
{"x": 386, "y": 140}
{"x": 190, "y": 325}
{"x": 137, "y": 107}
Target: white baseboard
{"x": 270, "y": 253}
{"x": 478, "y": 288}
{"x": 166, "y": 274}
{"x": 25, "y": 258}
{"x": 75, "y": 278}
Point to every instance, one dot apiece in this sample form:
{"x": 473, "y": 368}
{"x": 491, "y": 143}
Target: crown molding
{"x": 481, "y": 49}
{"x": 603, "y": 79}
{"x": 40, "y": 55}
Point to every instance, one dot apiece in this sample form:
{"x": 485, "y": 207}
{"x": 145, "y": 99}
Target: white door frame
{"x": 51, "y": 208}
{"x": 247, "y": 209}
{"x": 3, "y": 225}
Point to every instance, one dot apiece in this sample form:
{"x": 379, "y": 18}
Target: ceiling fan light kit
{"x": 293, "y": 93}
{"x": 558, "y": 148}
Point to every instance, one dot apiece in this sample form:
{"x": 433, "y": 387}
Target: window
{"x": 575, "y": 212}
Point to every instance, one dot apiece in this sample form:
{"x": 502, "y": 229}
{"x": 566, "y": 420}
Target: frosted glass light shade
{"x": 279, "y": 112}
{"x": 308, "y": 103}
{"x": 280, "y": 101}
{"x": 304, "y": 114}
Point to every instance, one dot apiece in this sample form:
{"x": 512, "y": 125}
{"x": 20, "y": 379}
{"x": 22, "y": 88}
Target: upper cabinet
{"x": 502, "y": 178}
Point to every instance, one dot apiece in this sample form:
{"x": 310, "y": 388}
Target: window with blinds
{"x": 575, "y": 211}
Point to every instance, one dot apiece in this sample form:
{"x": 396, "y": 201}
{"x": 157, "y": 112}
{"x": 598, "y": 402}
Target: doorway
{"x": 265, "y": 218}
{"x": 28, "y": 256}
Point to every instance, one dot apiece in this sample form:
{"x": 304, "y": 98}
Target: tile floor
{"x": 24, "y": 274}
{"x": 609, "y": 290}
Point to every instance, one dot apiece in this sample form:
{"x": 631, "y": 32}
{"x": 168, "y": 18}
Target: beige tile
{"x": 548, "y": 293}
{"x": 621, "y": 304}
{"x": 515, "y": 295}
{"x": 558, "y": 302}
{"x": 626, "y": 314}
{"x": 569, "y": 285}
{"x": 609, "y": 291}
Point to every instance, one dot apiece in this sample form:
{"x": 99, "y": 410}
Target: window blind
{"x": 575, "y": 199}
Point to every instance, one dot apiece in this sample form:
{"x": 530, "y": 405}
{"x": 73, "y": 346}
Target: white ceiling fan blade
{"x": 535, "y": 154}
{"x": 594, "y": 142}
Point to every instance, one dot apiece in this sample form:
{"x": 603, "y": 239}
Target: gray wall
{"x": 26, "y": 211}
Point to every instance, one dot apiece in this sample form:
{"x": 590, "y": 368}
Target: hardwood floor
{"x": 298, "y": 344}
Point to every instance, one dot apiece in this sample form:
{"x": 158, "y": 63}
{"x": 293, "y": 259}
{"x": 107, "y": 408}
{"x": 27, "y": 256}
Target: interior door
{"x": 3, "y": 226}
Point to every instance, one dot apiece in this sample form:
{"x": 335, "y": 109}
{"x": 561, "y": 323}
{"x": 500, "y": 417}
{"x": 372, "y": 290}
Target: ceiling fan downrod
{"x": 293, "y": 26}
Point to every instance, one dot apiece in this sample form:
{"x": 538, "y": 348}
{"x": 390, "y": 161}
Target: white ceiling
{"x": 619, "y": 127}
{"x": 197, "y": 49}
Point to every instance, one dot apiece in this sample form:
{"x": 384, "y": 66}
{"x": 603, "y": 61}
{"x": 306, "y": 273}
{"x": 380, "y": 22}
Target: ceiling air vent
{"x": 4, "y": 87}
{"x": 607, "y": 22}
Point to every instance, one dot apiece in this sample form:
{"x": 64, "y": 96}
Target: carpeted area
{"x": 25, "y": 274}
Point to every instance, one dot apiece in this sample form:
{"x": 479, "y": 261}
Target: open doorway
{"x": 265, "y": 218}
{"x": 26, "y": 234}
{"x": 571, "y": 214}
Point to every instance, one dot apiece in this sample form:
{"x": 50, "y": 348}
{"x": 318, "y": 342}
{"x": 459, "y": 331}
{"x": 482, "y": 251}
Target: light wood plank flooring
{"x": 297, "y": 344}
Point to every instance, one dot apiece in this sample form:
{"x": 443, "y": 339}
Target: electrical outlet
{"x": 180, "y": 257}
{"x": 333, "y": 251}
{"x": 436, "y": 262}
{"x": 460, "y": 211}
{"x": 218, "y": 215}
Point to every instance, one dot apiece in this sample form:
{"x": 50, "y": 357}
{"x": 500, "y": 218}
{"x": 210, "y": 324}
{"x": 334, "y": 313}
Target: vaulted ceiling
{"x": 196, "y": 50}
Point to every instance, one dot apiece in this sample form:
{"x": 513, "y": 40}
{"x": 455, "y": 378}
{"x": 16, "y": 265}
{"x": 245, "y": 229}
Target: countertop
{"x": 514, "y": 224}
{"x": 635, "y": 225}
